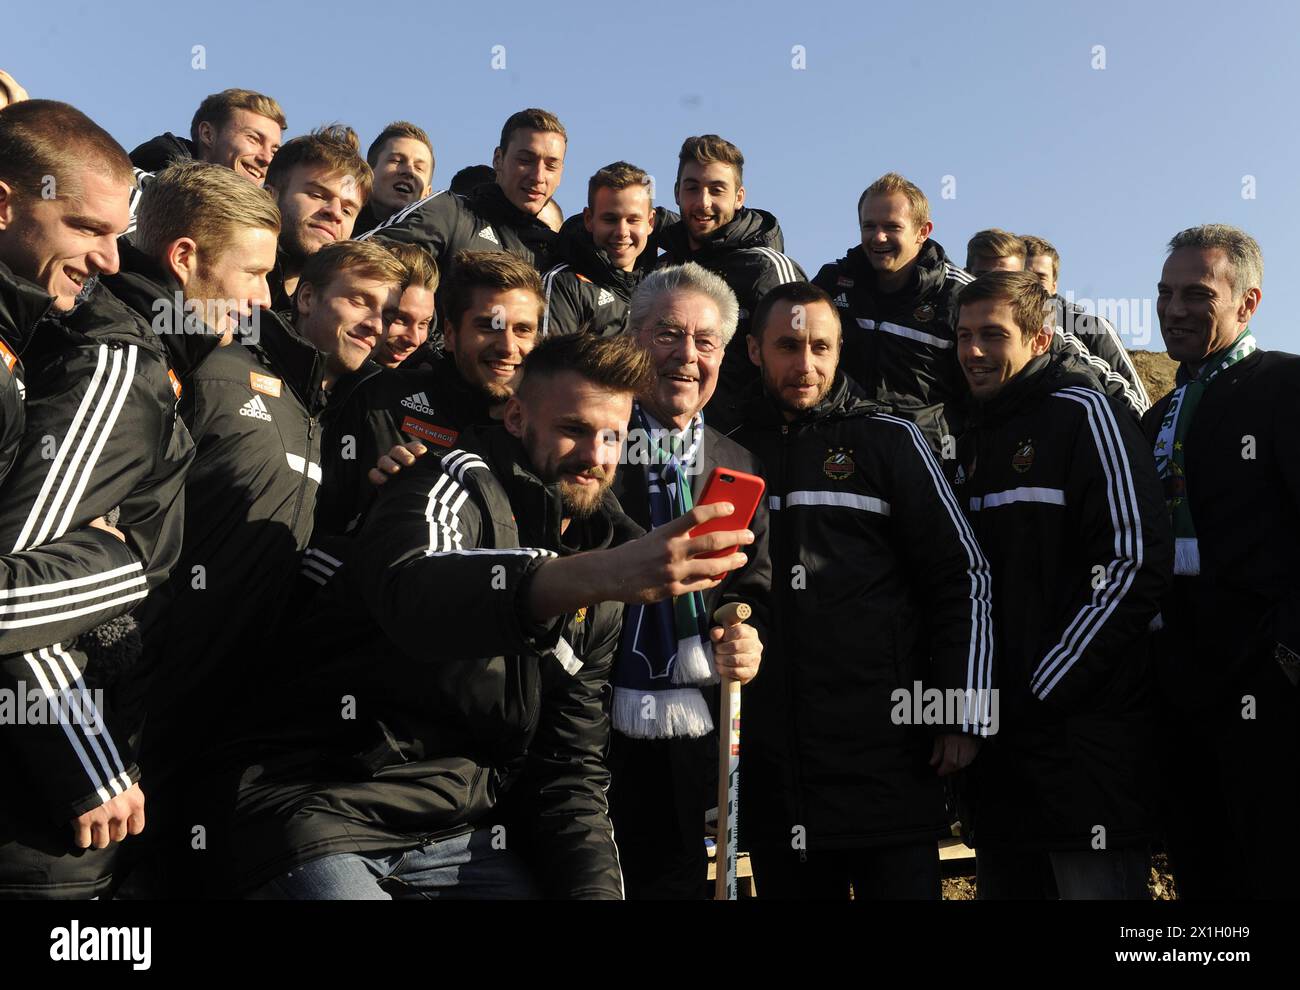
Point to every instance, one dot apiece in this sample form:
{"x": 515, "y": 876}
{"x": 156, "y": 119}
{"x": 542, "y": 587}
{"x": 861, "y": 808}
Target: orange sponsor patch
{"x": 7, "y": 356}
{"x": 265, "y": 384}
{"x": 176, "y": 382}
{"x": 440, "y": 435}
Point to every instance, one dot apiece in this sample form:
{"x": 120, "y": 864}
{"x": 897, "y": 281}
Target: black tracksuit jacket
{"x": 901, "y": 347}
{"x": 102, "y": 433}
{"x": 1062, "y": 493}
{"x": 1092, "y": 338}
{"x": 464, "y": 710}
{"x": 877, "y": 583}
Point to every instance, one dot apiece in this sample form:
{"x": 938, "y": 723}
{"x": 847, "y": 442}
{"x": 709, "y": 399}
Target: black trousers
{"x": 906, "y": 872}
{"x": 1231, "y": 793}
{"x": 659, "y": 792}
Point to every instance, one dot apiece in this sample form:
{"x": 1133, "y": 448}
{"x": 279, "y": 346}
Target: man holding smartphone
{"x": 879, "y": 679}
{"x": 665, "y": 742}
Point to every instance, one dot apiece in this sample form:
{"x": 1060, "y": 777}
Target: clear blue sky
{"x": 1002, "y": 96}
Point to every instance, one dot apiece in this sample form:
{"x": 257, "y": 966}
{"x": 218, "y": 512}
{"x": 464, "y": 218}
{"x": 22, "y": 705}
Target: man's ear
{"x": 304, "y": 299}
{"x": 514, "y": 417}
{"x": 740, "y": 197}
{"x": 207, "y": 136}
{"x": 182, "y": 259}
{"x": 6, "y": 205}
{"x": 925, "y": 230}
{"x": 1041, "y": 341}
{"x": 497, "y": 159}
{"x": 755, "y": 349}
{"x": 1248, "y": 306}
{"x": 587, "y": 218}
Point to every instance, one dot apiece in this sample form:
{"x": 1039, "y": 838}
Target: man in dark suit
{"x": 671, "y": 655}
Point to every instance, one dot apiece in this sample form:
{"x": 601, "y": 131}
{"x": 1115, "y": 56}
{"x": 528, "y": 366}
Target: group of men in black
{"x": 352, "y": 522}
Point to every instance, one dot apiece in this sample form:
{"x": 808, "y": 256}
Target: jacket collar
{"x": 577, "y": 248}
{"x": 748, "y": 229}
{"x": 22, "y": 305}
{"x": 1043, "y": 374}
{"x": 291, "y": 357}
{"x": 927, "y": 275}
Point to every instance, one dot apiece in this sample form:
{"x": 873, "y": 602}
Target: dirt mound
{"x": 1157, "y": 372}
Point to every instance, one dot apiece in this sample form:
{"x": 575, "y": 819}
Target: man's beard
{"x": 771, "y": 388}
{"x": 577, "y": 500}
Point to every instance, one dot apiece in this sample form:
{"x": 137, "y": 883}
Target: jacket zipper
{"x": 792, "y": 734}
{"x": 306, "y": 471}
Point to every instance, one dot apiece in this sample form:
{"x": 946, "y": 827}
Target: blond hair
{"x": 219, "y": 107}
{"x": 369, "y": 259}
{"x": 891, "y": 183}
{"x": 421, "y": 270}
{"x": 205, "y": 202}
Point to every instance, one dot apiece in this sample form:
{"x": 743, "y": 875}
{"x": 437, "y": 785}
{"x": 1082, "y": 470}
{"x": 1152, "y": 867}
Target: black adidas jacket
{"x": 901, "y": 347}
{"x": 158, "y": 152}
{"x": 877, "y": 584}
{"x": 39, "y": 606}
{"x": 1095, "y": 342}
{"x": 1061, "y": 491}
{"x": 748, "y": 253}
{"x": 102, "y": 433}
{"x": 252, "y": 409}
{"x": 1242, "y": 462}
{"x": 465, "y": 712}
{"x": 586, "y": 292}
{"x": 369, "y": 413}
{"x": 445, "y": 223}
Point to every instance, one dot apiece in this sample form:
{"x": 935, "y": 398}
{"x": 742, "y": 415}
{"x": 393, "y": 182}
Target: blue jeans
{"x": 463, "y": 867}
{"x": 1074, "y": 875}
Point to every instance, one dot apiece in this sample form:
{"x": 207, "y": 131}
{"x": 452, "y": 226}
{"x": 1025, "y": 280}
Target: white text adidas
{"x": 256, "y": 408}
{"x": 420, "y": 403}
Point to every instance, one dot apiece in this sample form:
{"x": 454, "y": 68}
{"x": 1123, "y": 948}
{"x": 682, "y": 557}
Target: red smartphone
{"x": 742, "y": 490}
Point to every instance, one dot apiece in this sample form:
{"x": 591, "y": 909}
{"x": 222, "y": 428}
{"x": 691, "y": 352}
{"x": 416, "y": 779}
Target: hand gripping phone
{"x": 743, "y": 491}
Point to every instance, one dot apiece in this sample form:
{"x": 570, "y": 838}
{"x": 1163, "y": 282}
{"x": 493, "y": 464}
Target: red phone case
{"x": 742, "y": 490}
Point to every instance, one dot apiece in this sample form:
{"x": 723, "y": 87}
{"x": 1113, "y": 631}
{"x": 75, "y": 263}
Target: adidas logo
{"x": 256, "y": 408}
{"x": 488, "y": 234}
{"x": 842, "y": 300}
{"x": 605, "y": 298}
{"x": 420, "y": 403}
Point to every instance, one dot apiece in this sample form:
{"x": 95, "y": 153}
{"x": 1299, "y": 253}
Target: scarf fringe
{"x": 694, "y": 662}
{"x": 1187, "y": 556}
{"x": 661, "y": 714}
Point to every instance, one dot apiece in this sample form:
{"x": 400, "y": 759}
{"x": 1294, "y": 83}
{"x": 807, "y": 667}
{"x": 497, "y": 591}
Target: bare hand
{"x": 112, "y": 821}
{"x": 737, "y": 652}
{"x": 401, "y": 456}
{"x": 953, "y": 751}
{"x": 666, "y": 562}
{"x": 102, "y": 523}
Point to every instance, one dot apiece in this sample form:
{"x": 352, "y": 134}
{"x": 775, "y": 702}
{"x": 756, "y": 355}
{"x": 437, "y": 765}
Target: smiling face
{"x": 991, "y": 348}
{"x": 317, "y": 207}
{"x": 406, "y": 326}
{"x": 402, "y": 175}
{"x": 344, "y": 319}
{"x": 228, "y": 285}
{"x": 620, "y": 223}
{"x": 708, "y": 196}
{"x": 891, "y": 237}
{"x": 684, "y": 338}
{"x": 493, "y": 336}
{"x": 1198, "y": 309}
{"x": 572, "y": 430}
{"x": 530, "y": 169}
{"x": 797, "y": 354}
{"x": 58, "y": 243}
{"x": 246, "y": 142}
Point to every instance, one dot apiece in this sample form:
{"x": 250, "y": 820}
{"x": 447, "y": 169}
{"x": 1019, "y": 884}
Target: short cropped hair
{"x": 400, "y": 129}
{"x": 891, "y": 183}
{"x": 1029, "y": 300}
{"x": 1243, "y": 252}
{"x": 202, "y": 201}
{"x": 421, "y": 270}
{"x": 334, "y": 146}
{"x": 616, "y": 176}
{"x": 531, "y": 119}
{"x": 707, "y": 149}
{"x": 1037, "y": 246}
{"x": 617, "y": 364}
{"x": 369, "y": 259}
{"x": 219, "y": 107}
{"x": 995, "y": 243}
{"x": 471, "y": 270}
{"x": 794, "y": 293}
{"x": 42, "y": 140}
{"x": 689, "y": 277}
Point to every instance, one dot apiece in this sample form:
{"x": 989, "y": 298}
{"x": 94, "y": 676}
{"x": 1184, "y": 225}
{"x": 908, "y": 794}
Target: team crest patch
{"x": 580, "y": 615}
{"x": 924, "y": 313}
{"x": 266, "y": 384}
{"x": 1023, "y": 459}
{"x": 839, "y": 464}
{"x": 440, "y": 435}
